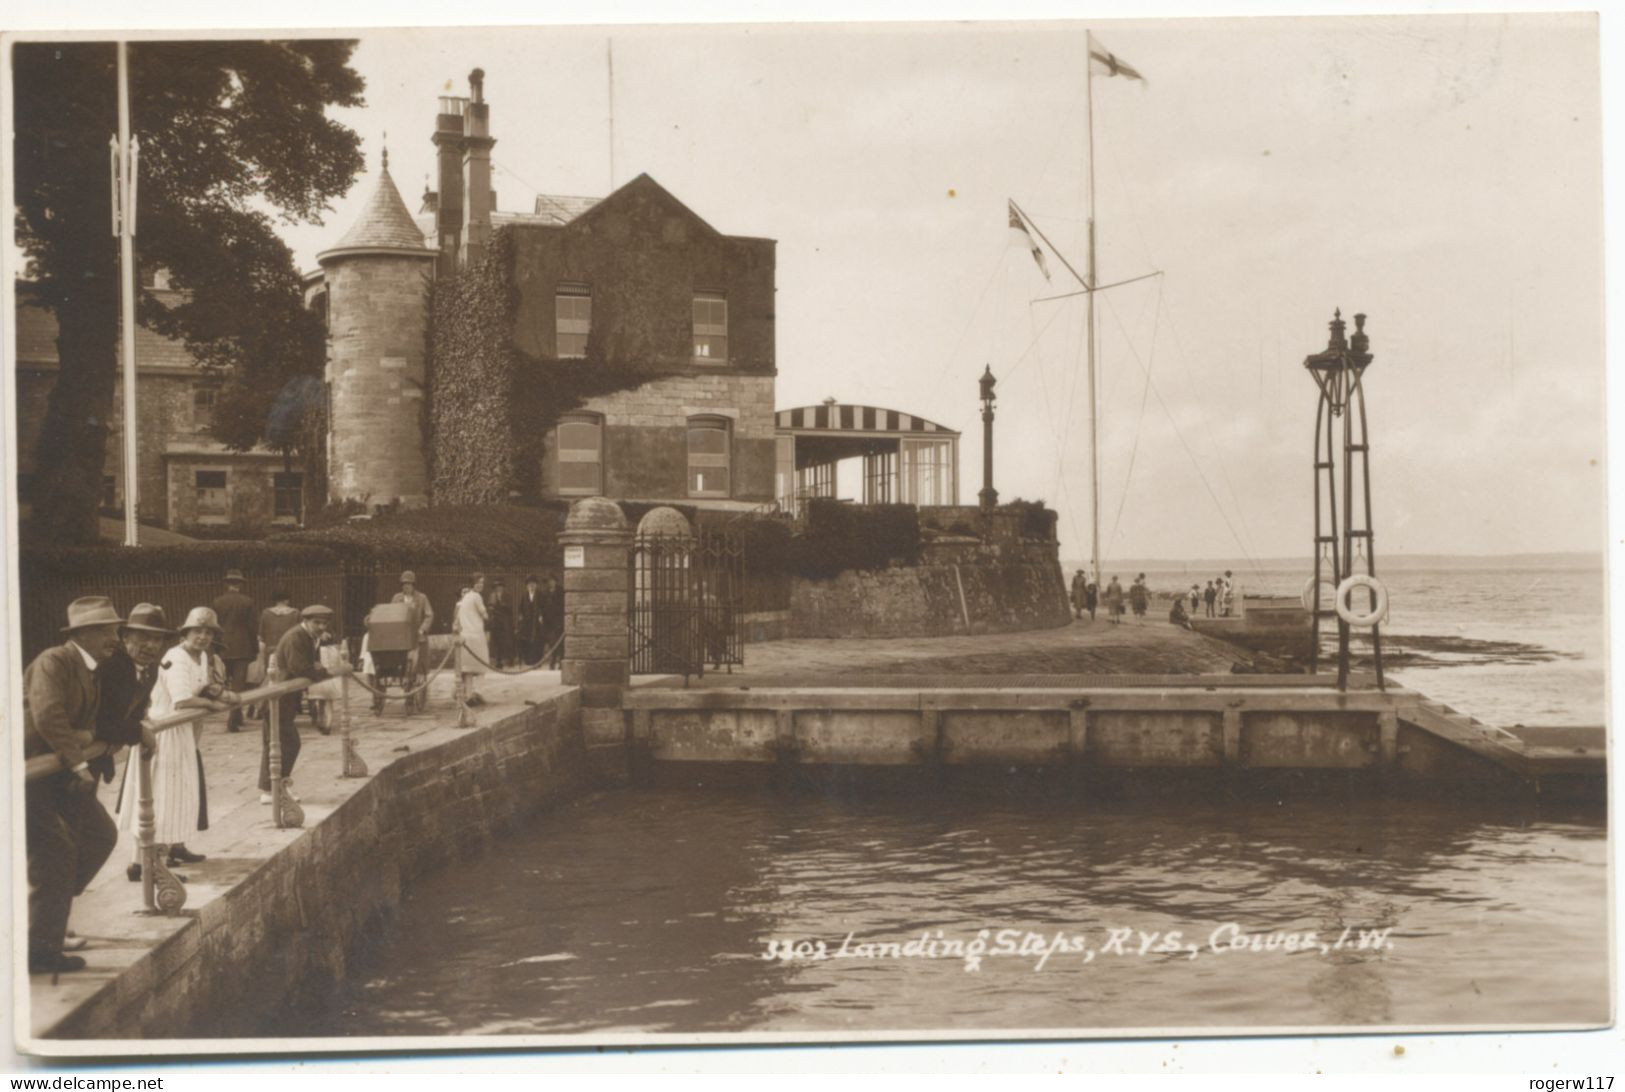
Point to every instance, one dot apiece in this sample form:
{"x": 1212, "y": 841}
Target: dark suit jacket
{"x": 296, "y": 655}
{"x": 59, "y": 705}
{"x": 531, "y": 610}
{"x": 124, "y": 699}
{"x": 238, "y": 639}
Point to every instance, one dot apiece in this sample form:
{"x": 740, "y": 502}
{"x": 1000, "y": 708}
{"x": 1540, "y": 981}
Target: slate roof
{"x": 384, "y": 223}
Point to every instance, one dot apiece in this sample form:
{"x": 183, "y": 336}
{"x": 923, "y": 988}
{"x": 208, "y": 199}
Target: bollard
{"x": 597, "y": 586}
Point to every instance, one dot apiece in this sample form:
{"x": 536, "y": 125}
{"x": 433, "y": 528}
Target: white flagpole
{"x": 1094, "y": 387}
{"x": 124, "y": 201}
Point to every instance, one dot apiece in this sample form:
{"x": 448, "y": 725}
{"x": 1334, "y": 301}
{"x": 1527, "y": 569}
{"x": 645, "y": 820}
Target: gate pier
{"x": 596, "y": 544}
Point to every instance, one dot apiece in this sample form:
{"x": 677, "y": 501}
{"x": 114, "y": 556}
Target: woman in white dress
{"x": 470, "y": 624}
{"x": 189, "y": 677}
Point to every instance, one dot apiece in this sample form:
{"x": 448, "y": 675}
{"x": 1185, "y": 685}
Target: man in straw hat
{"x": 298, "y": 658}
{"x": 69, "y": 834}
{"x": 238, "y": 642}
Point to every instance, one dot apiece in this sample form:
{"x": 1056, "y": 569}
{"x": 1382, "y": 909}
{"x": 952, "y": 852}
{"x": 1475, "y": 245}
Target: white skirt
{"x": 473, "y": 645}
{"x": 177, "y": 790}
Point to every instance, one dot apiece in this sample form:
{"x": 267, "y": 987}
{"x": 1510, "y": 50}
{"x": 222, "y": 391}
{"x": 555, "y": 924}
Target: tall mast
{"x": 1094, "y": 390}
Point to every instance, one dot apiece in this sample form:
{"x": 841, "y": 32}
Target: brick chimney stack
{"x": 448, "y": 142}
{"x": 476, "y": 198}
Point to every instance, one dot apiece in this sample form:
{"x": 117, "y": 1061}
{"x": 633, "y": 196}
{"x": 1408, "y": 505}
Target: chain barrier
{"x": 548, "y": 655}
{"x": 433, "y": 674}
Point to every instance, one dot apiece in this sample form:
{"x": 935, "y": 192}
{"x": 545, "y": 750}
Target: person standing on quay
{"x": 1091, "y": 598}
{"x": 500, "y": 612}
{"x": 238, "y": 641}
{"x": 1114, "y": 601}
{"x": 69, "y": 835}
{"x": 125, "y": 680}
{"x": 1140, "y": 597}
{"x": 1196, "y": 600}
{"x": 1227, "y": 594}
{"x": 1210, "y": 596}
{"x": 296, "y": 658}
{"x": 553, "y": 622}
{"x": 422, "y": 617}
{"x": 190, "y": 676}
{"x": 529, "y": 628}
{"x": 470, "y": 625}
{"x": 1080, "y": 590}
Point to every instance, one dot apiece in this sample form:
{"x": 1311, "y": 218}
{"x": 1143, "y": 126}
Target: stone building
{"x": 188, "y": 480}
{"x": 635, "y": 281}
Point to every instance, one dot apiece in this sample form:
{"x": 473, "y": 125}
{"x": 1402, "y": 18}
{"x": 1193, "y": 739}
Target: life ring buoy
{"x": 1367, "y": 618}
{"x": 1308, "y": 595}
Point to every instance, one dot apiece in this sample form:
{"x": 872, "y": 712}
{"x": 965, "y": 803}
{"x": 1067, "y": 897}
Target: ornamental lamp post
{"x": 989, "y": 496}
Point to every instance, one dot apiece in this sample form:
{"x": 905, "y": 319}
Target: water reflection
{"x": 650, "y": 911}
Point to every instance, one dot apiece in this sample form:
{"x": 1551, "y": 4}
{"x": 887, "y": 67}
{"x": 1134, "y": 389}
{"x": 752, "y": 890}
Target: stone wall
{"x": 1021, "y": 592}
{"x": 375, "y": 371}
{"x": 646, "y": 435}
{"x": 296, "y": 926}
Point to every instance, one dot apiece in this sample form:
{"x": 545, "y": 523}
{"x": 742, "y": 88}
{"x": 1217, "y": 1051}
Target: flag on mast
{"x": 1018, "y": 226}
{"x": 1109, "y": 64}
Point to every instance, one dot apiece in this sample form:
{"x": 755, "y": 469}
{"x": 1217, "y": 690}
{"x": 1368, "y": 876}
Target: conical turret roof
{"x": 384, "y": 226}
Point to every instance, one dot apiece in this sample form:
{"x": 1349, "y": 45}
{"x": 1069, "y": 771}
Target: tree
{"x": 227, "y": 131}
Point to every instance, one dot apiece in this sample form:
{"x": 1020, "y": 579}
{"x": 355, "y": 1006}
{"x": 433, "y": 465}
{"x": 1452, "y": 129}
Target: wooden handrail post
{"x": 352, "y": 764}
{"x": 146, "y": 826}
{"x": 284, "y": 812}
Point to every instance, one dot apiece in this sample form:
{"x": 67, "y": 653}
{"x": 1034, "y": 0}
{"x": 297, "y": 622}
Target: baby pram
{"x": 389, "y": 656}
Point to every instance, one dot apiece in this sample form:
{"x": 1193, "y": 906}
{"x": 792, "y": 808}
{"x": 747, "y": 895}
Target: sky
{"x": 1441, "y": 174}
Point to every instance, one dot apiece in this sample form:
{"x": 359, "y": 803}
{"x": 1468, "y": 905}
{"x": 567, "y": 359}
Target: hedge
{"x": 495, "y": 534}
{"x": 840, "y": 536}
{"x": 192, "y": 557}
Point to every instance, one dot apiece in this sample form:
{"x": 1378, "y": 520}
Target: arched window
{"x": 580, "y": 451}
{"x": 710, "y": 450}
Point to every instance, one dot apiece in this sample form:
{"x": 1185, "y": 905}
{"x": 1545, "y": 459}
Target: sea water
{"x": 751, "y": 910}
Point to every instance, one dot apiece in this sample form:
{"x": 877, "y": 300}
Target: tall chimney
{"x": 448, "y": 142}
{"x": 476, "y": 196}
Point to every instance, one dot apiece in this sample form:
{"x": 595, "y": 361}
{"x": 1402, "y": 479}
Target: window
{"x": 572, "y": 310}
{"x": 288, "y": 496}
{"x": 109, "y": 491}
{"x": 925, "y": 472}
{"x": 212, "y": 503}
{"x": 580, "y": 454}
{"x": 708, "y": 456}
{"x": 710, "y": 327}
{"x": 203, "y": 406}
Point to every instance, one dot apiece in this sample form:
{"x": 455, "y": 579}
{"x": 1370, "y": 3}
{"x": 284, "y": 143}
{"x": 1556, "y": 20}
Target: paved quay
{"x": 1085, "y": 647}
{"x": 241, "y": 836}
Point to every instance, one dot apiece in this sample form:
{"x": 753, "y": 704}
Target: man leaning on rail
{"x": 69, "y": 833}
{"x": 298, "y": 658}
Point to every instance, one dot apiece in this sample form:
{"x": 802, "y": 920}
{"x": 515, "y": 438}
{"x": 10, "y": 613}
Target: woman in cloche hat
{"x": 189, "y": 677}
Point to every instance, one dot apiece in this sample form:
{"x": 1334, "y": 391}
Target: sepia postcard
{"x": 806, "y": 532}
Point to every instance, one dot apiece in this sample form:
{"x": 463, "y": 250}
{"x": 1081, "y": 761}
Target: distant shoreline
{"x": 1579, "y": 560}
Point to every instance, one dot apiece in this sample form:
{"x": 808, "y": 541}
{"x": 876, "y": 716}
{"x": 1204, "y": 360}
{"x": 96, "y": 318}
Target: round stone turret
{"x": 377, "y": 283}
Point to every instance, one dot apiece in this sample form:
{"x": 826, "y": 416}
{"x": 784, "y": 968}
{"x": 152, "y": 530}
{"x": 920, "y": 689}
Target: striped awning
{"x": 842, "y": 417}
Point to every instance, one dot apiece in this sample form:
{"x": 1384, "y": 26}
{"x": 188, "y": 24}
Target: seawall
{"x": 292, "y": 929}
{"x": 938, "y": 598}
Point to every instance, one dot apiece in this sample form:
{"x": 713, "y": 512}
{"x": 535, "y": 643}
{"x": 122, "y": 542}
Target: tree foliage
{"x": 227, "y": 130}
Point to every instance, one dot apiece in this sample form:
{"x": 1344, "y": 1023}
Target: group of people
{"x": 1218, "y": 597}
{"x": 96, "y": 693}
{"x": 497, "y": 633}
{"x": 1085, "y": 597}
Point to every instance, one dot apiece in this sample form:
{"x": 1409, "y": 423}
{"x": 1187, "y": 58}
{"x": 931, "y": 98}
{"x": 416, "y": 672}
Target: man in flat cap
{"x": 69, "y": 833}
{"x": 298, "y": 658}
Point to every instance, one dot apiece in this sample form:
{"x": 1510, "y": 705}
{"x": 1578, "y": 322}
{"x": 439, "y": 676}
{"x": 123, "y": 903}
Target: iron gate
{"x": 686, "y": 597}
